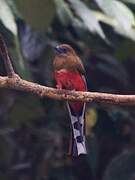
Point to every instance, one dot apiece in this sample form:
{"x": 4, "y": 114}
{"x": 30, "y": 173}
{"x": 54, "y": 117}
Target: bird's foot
{"x": 58, "y": 86}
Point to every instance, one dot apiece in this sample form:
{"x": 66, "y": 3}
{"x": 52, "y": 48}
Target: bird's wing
{"x": 79, "y": 66}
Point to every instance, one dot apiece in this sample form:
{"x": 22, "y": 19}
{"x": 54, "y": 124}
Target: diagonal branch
{"x": 6, "y": 57}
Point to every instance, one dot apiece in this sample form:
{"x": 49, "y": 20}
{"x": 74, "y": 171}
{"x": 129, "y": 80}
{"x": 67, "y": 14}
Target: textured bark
{"x": 13, "y": 81}
{"x": 17, "y": 83}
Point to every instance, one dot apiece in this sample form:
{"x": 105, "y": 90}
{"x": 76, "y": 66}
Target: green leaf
{"x": 7, "y": 17}
{"x": 114, "y": 23}
{"x": 129, "y": 1}
{"x": 123, "y": 16}
{"x": 105, "y": 18}
{"x": 88, "y": 17}
{"x": 119, "y": 11}
{"x": 63, "y": 11}
{"x": 37, "y": 13}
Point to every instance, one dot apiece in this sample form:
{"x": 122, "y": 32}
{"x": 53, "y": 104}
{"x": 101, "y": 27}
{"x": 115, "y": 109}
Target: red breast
{"x": 70, "y": 80}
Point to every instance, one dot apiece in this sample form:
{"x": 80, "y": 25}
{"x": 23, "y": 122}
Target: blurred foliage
{"x": 34, "y": 132}
{"x": 40, "y": 10}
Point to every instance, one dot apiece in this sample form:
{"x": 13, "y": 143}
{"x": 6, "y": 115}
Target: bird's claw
{"x": 58, "y": 86}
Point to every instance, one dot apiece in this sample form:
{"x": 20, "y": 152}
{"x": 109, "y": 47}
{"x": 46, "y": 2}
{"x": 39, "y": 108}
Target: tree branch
{"x": 42, "y": 91}
{"x": 13, "y": 81}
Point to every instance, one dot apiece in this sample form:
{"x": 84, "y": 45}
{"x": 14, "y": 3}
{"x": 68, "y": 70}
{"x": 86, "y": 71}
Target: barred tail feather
{"x": 78, "y": 135}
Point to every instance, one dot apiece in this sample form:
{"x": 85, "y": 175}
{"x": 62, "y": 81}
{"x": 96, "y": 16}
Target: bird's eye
{"x": 64, "y": 50}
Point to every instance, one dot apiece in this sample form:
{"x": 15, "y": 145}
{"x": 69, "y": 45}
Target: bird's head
{"x": 66, "y": 58}
{"x": 64, "y": 50}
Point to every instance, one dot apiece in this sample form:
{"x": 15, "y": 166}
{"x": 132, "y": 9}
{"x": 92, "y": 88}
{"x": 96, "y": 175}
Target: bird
{"x": 69, "y": 74}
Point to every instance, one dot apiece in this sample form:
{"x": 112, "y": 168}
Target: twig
{"x": 6, "y": 58}
{"x": 42, "y": 91}
{"x": 13, "y": 81}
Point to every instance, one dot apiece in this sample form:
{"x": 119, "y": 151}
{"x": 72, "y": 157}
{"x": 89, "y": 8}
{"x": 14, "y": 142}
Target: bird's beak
{"x": 58, "y": 50}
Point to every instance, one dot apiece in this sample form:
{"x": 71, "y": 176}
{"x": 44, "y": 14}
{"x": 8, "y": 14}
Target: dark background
{"x": 34, "y": 132}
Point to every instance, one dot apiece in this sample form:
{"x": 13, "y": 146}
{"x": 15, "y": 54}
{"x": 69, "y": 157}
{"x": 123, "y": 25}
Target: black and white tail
{"x": 78, "y": 145}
